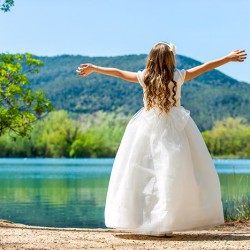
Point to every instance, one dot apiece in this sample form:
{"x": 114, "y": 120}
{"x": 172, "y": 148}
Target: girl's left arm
{"x": 86, "y": 69}
{"x": 234, "y": 56}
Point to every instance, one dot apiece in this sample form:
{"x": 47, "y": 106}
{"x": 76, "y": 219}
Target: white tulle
{"x": 163, "y": 178}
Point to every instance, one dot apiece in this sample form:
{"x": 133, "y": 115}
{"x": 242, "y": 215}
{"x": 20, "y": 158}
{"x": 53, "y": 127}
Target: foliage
{"x": 101, "y": 137}
{"x": 6, "y": 5}
{"x": 20, "y": 106}
{"x": 210, "y": 97}
{"x": 235, "y": 190}
{"x": 229, "y": 137}
{"x": 238, "y": 209}
{"x": 63, "y": 134}
{"x": 58, "y": 135}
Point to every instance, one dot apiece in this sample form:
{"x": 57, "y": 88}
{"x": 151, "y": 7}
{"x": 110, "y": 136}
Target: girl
{"x": 163, "y": 178}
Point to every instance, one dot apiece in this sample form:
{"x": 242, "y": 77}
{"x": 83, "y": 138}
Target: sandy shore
{"x": 233, "y": 235}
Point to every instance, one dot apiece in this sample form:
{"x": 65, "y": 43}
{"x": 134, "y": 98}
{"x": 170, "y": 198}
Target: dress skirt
{"x": 163, "y": 178}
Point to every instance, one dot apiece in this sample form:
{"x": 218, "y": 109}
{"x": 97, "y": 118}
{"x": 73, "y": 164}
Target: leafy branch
{"x": 20, "y": 106}
{"x": 6, "y": 5}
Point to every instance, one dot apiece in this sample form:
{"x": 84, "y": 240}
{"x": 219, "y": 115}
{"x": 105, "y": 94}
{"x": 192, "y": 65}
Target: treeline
{"x": 63, "y": 134}
{"x": 59, "y": 135}
{"x": 229, "y": 138}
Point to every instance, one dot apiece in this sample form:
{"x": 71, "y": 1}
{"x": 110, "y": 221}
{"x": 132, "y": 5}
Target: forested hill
{"x": 209, "y": 97}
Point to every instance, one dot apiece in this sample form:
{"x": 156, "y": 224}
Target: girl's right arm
{"x": 86, "y": 69}
{"x": 235, "y": 56}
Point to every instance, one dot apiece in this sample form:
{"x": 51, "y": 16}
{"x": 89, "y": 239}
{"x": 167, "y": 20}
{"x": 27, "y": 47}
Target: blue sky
{"x": 203, "y": 30}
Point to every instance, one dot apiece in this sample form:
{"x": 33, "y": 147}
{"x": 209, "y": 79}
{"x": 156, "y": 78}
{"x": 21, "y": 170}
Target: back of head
{"x": 158, "y": 75}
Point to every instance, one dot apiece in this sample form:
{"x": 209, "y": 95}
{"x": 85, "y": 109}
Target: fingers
{"x": 241, "y": 59}
{"x": 240, "y": 52}
{"x": 81, "y": 69}
{"x": 240, "y": 55}
{"x": 80, "y": 72}
{"x": 243, "y": 56}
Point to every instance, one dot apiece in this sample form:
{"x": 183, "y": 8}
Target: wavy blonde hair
{"x": 159, "y": 74}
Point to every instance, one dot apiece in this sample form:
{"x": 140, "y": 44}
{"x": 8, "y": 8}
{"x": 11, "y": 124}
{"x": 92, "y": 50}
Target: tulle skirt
{"x": 163, "y": 178}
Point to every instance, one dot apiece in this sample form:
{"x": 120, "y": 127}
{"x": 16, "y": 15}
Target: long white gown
{"x": 163, "y": 178}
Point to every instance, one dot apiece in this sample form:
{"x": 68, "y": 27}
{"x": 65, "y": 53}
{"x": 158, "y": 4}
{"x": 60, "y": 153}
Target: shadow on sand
{"x": 187, "y": 237}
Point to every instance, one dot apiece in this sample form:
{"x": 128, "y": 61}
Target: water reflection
{"x": 72, "y": 192}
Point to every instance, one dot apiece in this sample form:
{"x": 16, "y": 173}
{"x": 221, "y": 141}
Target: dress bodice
{"x": 179, "y": 76}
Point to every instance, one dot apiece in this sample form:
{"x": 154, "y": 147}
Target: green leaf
{"x": 20, "y": 107}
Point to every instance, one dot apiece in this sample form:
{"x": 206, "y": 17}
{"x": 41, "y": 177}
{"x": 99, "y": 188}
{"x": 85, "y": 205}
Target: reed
{"x": 238, "y": 209}
{"x": 237, "y": 202}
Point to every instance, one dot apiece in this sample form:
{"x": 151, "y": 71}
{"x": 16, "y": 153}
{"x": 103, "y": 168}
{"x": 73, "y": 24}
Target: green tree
{"x": 100, "y": 136}
{"x": 53, "y": 136}
{"x": 20, "y": 106}
{"x": 6, "y": 5}
{"x": 229, "y": 137}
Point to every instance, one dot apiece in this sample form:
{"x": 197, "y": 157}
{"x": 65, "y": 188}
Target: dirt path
{"x": 234, "y": 235}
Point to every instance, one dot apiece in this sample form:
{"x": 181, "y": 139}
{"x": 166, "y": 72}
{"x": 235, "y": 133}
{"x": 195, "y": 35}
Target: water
{"x": 72, "y": 192}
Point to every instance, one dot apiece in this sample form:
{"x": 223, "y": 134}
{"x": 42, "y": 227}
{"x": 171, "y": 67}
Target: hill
{"x": 210, "y": 97}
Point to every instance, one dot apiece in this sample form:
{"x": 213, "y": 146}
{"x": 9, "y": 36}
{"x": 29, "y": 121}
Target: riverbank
{"x": 231, "y": 235}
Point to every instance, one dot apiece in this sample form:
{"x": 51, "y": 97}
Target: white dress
{"x": 163, "y": 178}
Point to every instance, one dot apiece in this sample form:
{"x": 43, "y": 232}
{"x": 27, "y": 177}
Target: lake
{"x": 72, "y": 192}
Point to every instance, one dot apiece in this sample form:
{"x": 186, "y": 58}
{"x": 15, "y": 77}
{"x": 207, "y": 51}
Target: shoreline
{"x": 231, "y": 235}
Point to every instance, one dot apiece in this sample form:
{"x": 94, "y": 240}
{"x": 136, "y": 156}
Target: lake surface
{"x": 72, "y": 192}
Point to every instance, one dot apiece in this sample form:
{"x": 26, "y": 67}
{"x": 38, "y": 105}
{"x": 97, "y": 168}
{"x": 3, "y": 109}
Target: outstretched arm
{"x": 235, "y": 56}
{"x": 86, "y": 69}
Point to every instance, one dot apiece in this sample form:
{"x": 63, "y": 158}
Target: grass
{"x": 238, "y": 209}
{"x": 236, "y": 203}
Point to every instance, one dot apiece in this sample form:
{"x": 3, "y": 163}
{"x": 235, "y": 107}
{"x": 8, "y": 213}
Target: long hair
{"x": 158, "y": 78}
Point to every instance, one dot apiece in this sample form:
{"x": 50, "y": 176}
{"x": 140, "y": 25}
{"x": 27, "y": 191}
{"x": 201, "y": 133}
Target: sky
{"x": 201, "y": 29}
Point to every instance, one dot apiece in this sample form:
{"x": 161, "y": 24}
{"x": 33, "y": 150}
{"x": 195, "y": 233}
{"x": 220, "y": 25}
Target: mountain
{"x": 210, "y": 97}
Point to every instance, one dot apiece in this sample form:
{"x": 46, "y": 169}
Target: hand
{"x": 237, "y": 56}
{"x": 85, "y": 69}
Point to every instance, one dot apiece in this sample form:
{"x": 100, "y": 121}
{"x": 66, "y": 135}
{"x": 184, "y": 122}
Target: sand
{"x": 231, "y": 235}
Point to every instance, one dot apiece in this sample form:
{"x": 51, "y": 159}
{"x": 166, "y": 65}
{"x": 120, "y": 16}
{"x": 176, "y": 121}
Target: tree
{"x": 20, "y": 106}
{"x": 229, "y": 137}
{"x": 6, "y": 5}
